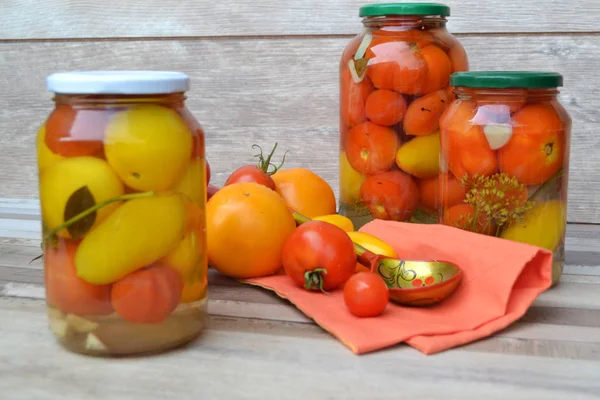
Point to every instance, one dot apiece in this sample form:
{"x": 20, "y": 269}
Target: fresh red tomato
{"x": 319, "y": 256}
{"x": 251, "y": 173}
{"x": 256, "y": 173}
{"x": 366, "y": 295}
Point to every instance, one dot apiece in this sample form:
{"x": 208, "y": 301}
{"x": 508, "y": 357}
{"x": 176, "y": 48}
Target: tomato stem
{"x": 90, "y": 210}
{"x": 313, "y": 280}
{"x": 264, "y": 165}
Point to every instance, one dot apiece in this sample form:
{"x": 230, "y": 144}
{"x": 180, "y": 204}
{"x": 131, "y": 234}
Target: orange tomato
{"x": 68, "y": 292}
{"x": 305, "y": 192}
{"x": 148, "y": 295}
{"x": 423, "y": 114}
{"x": 247, "y": 225}
{"x": 536, "y": 149}
{"x": 385, "y": 107}
{"x": 371, "y": 148}
{"x": 464, "y": 146}
{"x": 439, "y": 68}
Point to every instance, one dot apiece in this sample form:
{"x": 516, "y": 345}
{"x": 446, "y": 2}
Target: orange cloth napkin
{"x": 501, "y": 280}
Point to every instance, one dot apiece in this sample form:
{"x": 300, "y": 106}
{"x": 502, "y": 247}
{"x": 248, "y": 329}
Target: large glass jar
{"x": 394, "y": 86}
{"x": 122, "y": 190}
{"x": 505, "y": 144}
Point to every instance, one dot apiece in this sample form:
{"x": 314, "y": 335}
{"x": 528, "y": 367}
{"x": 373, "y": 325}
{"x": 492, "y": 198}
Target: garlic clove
{"x": 94, "y": 344}
{"x": 497, "y": 135}
{"x": 364, "y": 45}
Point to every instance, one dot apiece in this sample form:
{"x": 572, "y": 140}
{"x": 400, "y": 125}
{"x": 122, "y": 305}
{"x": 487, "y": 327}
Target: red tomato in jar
{"x": 366, "y": 295}
{"x": 74, "y": 132}
{"x": 319, "y": 256}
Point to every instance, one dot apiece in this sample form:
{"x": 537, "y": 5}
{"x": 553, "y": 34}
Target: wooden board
{"x": 246, "y": 359}
{"x": 30, "y": 19}
{"x": 248, "y": 91}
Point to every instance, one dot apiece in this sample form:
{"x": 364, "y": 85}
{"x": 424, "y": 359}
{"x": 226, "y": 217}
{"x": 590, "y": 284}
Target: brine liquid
{"x": 111, "y": 335}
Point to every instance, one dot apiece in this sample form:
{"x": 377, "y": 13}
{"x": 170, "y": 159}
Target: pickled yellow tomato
{"x": 149, "y": 147}
{"x": 543, "y": 226}
{"x": 138, "y": 233}
{"x": 193, "y": 183}
{"x": 72, "y": 185}
{"x": 350, "y": 181}
{"x": 186, "y": 256}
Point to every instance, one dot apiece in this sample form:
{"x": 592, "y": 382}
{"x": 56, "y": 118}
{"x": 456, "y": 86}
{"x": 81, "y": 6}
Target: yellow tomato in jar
{"x": 338, "y": 220}
{"x": 350, "y": 181}
{"x": 373, "y": 244}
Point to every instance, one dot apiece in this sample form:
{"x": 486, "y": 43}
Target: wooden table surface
{"x": 257, "y": 345}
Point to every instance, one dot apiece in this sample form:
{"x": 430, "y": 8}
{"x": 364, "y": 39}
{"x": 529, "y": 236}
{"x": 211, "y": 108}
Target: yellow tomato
{"x": 350, "y": 181}
{"x": 337, "y": 220}
{"x": 373, "y": 244}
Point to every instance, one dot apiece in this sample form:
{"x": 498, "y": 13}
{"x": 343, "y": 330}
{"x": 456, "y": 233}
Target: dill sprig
{"x": 499, "y": 199}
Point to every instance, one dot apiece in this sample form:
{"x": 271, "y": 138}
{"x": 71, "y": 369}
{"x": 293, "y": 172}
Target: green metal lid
{"x": 507, "y": 79}
{"x": 382, "y": 9}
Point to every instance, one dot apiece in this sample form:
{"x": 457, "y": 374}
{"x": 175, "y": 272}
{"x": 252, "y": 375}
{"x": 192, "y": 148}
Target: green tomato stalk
{"x": 264, "y": 165}
{"x": 51, "y": 235}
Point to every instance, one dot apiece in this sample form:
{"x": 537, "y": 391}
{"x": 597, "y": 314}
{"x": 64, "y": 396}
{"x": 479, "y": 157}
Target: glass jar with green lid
{"x": 505, "y": 144}
{"x": 394, "y": 85}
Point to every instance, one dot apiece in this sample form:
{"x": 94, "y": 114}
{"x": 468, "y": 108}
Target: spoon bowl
{"x": 418, "y": 283}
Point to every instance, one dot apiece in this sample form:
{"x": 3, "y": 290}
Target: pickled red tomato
{"x": 72, "y": 132}
{"x": 371, "y": 148}
{"x": 396, "y": 65}
{"x": 391, "y": 195}
{"x": 452, "y": 47}
{"x": 353, "y": 96}
{"x": 536, "y": 149}
{"x": 446, "y": 190}
{"x": 463, "y": 216}
{"x": 423, "y": 114}
{"x": 385, "y": 107}
{"x": 67, "y": 291}
{"x": 513, "y": 100}
{"x": 439, "y": 69}
{"x": 464, "y": 145}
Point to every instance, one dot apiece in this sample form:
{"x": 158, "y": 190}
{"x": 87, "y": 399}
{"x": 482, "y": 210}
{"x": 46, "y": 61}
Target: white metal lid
{"x": 118, "y": 82}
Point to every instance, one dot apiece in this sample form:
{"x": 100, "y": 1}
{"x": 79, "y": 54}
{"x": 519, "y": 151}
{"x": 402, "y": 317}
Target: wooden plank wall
{"x": 266, "y": 71}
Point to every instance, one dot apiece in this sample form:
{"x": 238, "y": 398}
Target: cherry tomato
{"x": 366, "y": 295}
{"x": 319, "y": 256}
